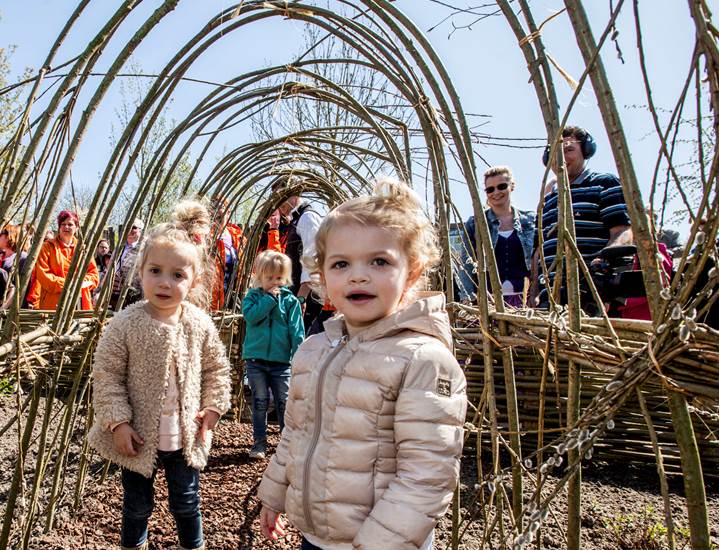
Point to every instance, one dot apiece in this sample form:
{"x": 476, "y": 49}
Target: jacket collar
{"x": 426, "y": 315}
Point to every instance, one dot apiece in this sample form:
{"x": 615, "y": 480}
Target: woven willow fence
{"x": 635, "y": 391}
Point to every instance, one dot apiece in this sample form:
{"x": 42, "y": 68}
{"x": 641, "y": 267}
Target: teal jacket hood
{"x": 273, "y": 325}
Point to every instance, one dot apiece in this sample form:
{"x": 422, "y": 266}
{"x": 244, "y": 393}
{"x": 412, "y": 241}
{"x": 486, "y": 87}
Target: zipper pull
{"x": 338, "y": 341}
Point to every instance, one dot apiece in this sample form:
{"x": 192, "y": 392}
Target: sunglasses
{"x": 491, "y": 189}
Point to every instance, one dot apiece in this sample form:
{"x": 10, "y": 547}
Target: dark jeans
{"x": 307, "y": 545}
{"x": 263, "y": 376}
{"x": 183, "y": 487}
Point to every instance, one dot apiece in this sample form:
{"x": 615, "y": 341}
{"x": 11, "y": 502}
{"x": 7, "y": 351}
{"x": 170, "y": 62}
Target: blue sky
{"x": 485, "y": 62}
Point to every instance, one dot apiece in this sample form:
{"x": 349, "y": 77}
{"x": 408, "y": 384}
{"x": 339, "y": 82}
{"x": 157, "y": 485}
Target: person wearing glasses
{"x": 125, "y": 268}
{"x": 512, "y": 234}
{"x": 600, "y": 212}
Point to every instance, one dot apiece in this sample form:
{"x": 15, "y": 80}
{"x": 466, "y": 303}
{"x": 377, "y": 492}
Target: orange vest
{"x": 218, "y": 287}
{"x": 50, "y": 272}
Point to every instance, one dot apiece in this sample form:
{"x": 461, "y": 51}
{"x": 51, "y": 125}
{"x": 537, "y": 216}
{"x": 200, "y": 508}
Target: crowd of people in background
{"x": 601, "y": 223}
{"x": 602, "y": 229}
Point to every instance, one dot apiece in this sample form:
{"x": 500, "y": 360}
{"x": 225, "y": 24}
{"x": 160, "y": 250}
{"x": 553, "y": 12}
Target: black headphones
{"x": 588, "y": 145}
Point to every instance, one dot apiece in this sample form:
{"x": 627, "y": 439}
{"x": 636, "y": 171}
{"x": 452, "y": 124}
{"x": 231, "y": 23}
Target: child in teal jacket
{"x": 273, "y": 332}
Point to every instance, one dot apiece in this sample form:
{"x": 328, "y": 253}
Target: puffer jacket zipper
{"x": 338, "y": 346}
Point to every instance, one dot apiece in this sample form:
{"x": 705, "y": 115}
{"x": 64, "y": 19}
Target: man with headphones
{"x": 600, "y": 211}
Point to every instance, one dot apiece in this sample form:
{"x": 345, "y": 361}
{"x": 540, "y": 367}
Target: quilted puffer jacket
{"x": 373, "y": 434}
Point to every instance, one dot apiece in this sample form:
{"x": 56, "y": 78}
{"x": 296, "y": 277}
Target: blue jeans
{"x": 307, "y": 545}
{"x": 183, "y": 488}
{"x": 263, "y": 376}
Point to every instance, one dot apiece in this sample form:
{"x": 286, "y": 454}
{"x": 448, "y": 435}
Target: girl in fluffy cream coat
{"x": 162, "y": 381}
{"x": 370, "y": 453}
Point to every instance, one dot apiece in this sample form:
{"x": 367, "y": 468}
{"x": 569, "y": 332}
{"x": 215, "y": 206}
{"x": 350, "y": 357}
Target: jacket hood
{"x": 426, "y": 315}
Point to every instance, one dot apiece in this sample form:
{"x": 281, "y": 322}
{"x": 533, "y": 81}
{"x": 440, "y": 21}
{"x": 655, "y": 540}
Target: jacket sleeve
{"x": 429, "y": 417}
{"x": 43, "y": 271}
{"x": 110, "y": 399}
{"x": 92, "y": 276}
{"x": 296, "y": 326}
{"x": 216, "y": 382}
{"x": 257, "y": 306}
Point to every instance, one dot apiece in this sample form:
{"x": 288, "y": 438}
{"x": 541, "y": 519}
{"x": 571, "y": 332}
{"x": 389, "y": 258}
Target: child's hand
{"x": 271, "y": 524}
{"x": 127, "y": 441}
{"x": 275, "y": 291}
{"x": 209, "y": 419}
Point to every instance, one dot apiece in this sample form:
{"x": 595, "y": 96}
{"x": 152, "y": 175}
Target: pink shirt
{"x": 170, "y": 431}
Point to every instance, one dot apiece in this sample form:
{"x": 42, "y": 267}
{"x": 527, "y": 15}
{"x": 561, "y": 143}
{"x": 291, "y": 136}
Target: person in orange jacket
{"x": 54, "y": 261}
{"x": 227, "y": 253}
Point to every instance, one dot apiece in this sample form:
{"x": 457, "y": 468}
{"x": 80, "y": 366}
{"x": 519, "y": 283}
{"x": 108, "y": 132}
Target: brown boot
{"x": 144, "y": 546}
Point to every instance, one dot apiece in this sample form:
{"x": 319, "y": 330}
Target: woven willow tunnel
{"x": 545, "y": 387}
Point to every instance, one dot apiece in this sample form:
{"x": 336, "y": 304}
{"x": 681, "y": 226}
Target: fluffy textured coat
{"x": 373, "y": 435}
{"x": 131, "y": 371}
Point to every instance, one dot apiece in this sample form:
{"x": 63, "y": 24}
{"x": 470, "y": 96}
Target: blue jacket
{"x": 524, "y": 224}
{"x": 273, "y": 325}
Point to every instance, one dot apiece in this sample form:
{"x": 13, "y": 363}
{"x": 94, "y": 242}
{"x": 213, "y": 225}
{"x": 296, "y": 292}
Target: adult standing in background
{"x": 125, "y": 269}
{"x": 228, "y": 250}
{"x": 512, "y": 234}
{"x": 301, "y": 230}
{"x": 9, "y": 245}
{"x": 600, "y": 212}
{"x": 53, "y": 264}
{"x": 102, "y": 250}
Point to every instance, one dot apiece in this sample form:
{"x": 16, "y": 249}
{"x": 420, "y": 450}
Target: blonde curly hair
{"x": 393, "y": 206}
{"x": 189, "y": 225}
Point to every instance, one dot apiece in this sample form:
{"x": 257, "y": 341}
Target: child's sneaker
{"x": 257, "y": 452}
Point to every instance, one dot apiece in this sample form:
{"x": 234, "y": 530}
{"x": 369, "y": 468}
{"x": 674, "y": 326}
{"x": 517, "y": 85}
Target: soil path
{"x": 619, "y": 504}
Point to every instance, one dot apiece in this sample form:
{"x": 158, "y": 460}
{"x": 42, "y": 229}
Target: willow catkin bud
{"x": 558, "y": 460}
{"x": 684, "y": 333}
{"x": 691, "y": 324}
{"x": 614, "y": 385}
{"x": 661, "y": 328}
{"x": 700, "y": 238}
{"x": 529, "y": 313}
{"x": 676, "y": 312}
{"x": 562, "y": 448}
{"x": 665, "y": 294}
{"x": 527, "y": 463}
{"x": 589, "y": 453}
{"x": 610, "y": 425}
{"x": 572, "y": 444}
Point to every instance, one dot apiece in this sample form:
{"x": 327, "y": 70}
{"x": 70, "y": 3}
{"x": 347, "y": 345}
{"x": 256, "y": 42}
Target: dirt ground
{"x": 621, "y": 505}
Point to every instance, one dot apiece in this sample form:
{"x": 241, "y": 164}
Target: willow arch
{"x": 389, "y": 44}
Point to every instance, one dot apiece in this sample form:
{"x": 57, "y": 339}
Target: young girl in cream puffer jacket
{"x": 373, "y": 435}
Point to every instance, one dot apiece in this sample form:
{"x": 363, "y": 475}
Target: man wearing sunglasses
{"x": 125, "y": 268}
{"x": 512, "y": 234}
{"x": 600, "y": 212}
